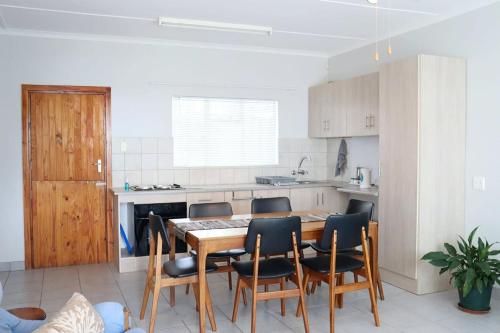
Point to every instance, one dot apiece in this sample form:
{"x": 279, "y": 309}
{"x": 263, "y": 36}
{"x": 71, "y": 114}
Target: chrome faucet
{"x": 299, "y": 170}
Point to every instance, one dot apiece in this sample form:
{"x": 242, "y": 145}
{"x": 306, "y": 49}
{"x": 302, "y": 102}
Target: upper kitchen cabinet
{"x": 344, "y": 108}
{"x": 362, "y": 105}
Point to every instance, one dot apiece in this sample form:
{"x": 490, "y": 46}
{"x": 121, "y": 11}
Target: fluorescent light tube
{"x": 212, "y": 25}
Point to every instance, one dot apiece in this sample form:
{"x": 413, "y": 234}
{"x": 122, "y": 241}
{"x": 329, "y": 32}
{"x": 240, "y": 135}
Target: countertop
{"x": 341, "y": 187}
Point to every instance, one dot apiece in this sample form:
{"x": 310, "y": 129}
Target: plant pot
{"x": 476, "y": 301}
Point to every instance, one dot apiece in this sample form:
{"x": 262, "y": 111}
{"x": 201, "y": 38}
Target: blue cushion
{"x": 112, "y": 316}
{"x": 10, "y": 323}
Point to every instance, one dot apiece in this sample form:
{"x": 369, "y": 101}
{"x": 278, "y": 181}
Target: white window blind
{"x": 211, "y": 132}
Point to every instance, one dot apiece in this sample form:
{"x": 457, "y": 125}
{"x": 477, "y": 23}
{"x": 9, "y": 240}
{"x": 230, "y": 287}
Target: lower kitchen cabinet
{"x": 271, "y": 193}
{"x": 241, "y": 201}
{"x": 204, "y": 197}
{"x": 327, "y": 198}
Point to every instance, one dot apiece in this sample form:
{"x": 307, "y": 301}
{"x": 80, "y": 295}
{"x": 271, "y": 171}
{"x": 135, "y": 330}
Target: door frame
{"x": 26, "y": 143}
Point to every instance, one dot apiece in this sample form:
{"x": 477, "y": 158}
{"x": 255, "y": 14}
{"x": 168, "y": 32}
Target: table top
{"x": 213, "y": 234}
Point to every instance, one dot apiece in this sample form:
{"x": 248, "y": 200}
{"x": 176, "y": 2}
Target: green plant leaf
{"x": 451, "y": 249}
{"x": 439, "y": 263}
{"x": 442, "y": 270}
{"x": 469, "y": 278}
{"x": 435, "y": 256}
{"x": 454, "y": 264}
{"x": 494, "y": 252}
{"x": 485, "y": 267}
{"x": 471, "y": 236}
{"x": 479, "y": 285}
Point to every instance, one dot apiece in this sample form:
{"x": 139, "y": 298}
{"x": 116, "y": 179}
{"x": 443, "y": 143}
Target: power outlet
{"x": 479, "y": 183}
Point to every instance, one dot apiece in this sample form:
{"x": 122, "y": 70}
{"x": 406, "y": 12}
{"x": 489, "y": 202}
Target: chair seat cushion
{"x": 321, "y": 264}
{"x": 319, "y": 249}
{"x": 303, "y": 245}
{"x": 268, "y": 268}
{"x": 185, "y": 267}
{"x": 233, "y": 253}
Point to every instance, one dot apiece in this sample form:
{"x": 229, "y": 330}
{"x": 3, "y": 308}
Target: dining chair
{"x": 341, "y": 232}
{"x": 275, "y": 205}
{"x": 357, "y": 206}
{"x": 267, "y": 236}
{"x": 214, "y": 210}
{"x": 171, "y": 273}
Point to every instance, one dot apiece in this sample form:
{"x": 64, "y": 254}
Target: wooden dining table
{"x": 213, "y": 240}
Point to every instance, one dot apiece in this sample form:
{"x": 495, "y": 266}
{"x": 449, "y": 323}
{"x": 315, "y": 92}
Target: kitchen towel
{"x": 341, "y": 158}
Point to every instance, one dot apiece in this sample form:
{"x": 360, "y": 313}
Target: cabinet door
{"x": 316, "y": 105}
{"x": 241, "y": 201}
{"x": 399, "y": 151}
{"x": 204, "y": 197}
{"x": 271, "y": 193}
{"x": 362, "y": 105}
{"x": 303, "y": 198}
{"x": 336, "y": 114}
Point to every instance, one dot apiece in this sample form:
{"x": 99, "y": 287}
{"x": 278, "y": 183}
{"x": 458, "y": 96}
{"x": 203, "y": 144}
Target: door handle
{"x": 100, "y": 184}
{"x": 99, "y": 165}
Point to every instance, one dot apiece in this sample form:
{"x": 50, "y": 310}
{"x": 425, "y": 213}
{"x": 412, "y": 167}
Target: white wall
{"x": 139, "y": 109}
{"x": 473, "y": 36}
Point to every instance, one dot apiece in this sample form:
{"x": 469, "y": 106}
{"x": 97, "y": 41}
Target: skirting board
{"x": 12, "y": 266}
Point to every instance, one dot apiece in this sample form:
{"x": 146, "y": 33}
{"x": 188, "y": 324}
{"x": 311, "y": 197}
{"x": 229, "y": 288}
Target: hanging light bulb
{"x": 389, "y": 45}
{"x": 376, "y": 55}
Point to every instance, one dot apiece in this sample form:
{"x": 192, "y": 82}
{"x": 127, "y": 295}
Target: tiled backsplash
{"x": 150, "y": 161}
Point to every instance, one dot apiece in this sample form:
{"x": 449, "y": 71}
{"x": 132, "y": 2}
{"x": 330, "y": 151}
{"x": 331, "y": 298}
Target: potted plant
{"x": 474, "y": 271}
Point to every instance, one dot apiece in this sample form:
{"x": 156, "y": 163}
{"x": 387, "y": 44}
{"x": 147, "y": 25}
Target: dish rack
{"x": 275, "y": 180}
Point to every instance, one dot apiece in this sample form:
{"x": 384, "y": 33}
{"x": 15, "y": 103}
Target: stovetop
{"x": 171, "y": 187}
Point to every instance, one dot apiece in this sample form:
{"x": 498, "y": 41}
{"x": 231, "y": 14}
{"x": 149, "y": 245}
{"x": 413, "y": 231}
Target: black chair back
{"x": 210, "y": 209}
{"x": 156, "y": 226}
{"x": 271, "y": 205}
{"x": 276, "y": 234}
{"x": 360, "y": 206}
{"x": 348, "y": 230}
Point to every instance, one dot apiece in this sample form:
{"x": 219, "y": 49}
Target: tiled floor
{"x": 400, "y": 312}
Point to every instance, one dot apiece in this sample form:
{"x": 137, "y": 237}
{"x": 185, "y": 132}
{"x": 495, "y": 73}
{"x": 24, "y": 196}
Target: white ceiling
{"x": 316, "y": 27}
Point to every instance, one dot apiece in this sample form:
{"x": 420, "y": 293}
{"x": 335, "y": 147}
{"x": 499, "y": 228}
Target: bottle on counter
{"x": 126, "y": 186}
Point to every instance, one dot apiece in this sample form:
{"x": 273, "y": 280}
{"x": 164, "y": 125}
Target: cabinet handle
{"x": 367, "y": 121}
{"x": 322, "y": 199}
{"x": 317, "y": 199}
{"x": 204, "y": 200}
{"x": 373, "y": 120}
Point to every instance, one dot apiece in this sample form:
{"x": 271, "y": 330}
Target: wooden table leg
{"x": 171, "y": 256}
{"x": 373, "y": 238}
{"x": 202, "y": 258}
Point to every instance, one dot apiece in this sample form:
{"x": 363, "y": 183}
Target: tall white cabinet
{"x": 422, "y": 161}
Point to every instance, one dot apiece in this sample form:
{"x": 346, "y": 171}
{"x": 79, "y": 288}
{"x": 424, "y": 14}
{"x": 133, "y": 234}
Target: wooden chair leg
{"x": 356, "y": 279}
{"x": 254, "y": 309}
{"x": 305, "y": 282}
{"x": 195, "y": 292}
{"x": 380, "y": 286}
{"x": 340, "y": 297}
{"x": 145, "y": 299}
{"x": 237, "y": 299}
{"x": 266, "y": 287}
{"x": 244, "y": 293}
{"x": 187, "y": 289}
{"x": 210, "y": 310}
{"x": 283, "y": 300}
{"x": 229, "y": 274}
{"x": 332, "y": 306}
{"x": 154, "y": 310}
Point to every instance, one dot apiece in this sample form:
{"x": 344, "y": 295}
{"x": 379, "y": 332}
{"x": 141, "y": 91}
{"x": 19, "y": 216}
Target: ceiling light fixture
{"x": 373, "y": 2}
{"x": 389, "y": 39}
{"x": 212, "y": 25}
{"x": 376, "y": 55}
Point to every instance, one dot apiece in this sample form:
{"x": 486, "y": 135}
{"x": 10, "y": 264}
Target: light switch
{"x": 479, "y": 183}
{"x": 123, "y": 147}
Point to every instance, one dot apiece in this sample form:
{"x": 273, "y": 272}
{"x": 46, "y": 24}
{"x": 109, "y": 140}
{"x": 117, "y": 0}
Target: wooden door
{"x": 66, "y": 175}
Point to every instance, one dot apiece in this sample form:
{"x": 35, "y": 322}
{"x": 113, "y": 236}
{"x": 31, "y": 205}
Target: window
{"x": 211, "y": 132}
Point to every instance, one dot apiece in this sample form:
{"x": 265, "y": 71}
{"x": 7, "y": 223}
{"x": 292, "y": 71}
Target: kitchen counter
{"x": 349, "y": 188}
{"x": 341, "y": 187}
